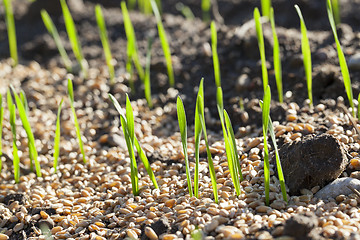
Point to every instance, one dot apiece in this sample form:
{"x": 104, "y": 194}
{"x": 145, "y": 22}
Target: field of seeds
{"x": 96, "y": 191}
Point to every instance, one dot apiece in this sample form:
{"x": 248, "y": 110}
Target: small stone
{"x": 242, "y": 83}
{"x": 354, "y": 62}
{"x": 170, "y": 203}
{"x": 169, "y": 237}
{"x": 338, "y": 187}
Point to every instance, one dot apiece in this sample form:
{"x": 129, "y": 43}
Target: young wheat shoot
{"x": 215, "y": 54}
{"x": 73, "y": 37}
{"x": 33, "y": 154}
{"x": 105, "y": 42}
{"x": 305, "y": 48}
{"x": 16, "y": 160}
{"x": 183, "y": 132}
{"x": 76, "y": 123}
{"x": 147, "y": 84}
{"x": 265, "y": 8}
{"x": 57, "y": 137}
{"x": 164, "y": 43}
{"x": 132, "y": 50}
{"x": 260, "y": 37}
{"x": 50, "y": 26}
{"x": 265, "y": 120}
{"x": 342, "y": 61}
{"x": 277, "y": 58}
{"x": 10, "y": 25}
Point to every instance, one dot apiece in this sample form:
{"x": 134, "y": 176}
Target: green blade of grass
{"x": 130, "y": 145}
{"x": 164, "y": 43}
{"x": 233, "y": 143}
{"x": 57, "y": 137}
{"x": 133, "y": 166}
{"x": 200, "y": 112}
{"x": 132, "y": 4}
{"x": 342, "y": 61}
{"x": 10, "y": 25}
{"x": 145, "y": 7}
{"x": 278, "y": 162}
{"x": 147, "y": 85}
{"x": 24, "y": 101}
{"x": 336, "y": 11}
{"x": 197, "y": 137}
{"x": 50, "y": 26}
{"x": 16, "y": 160}
{"x": 185, "y": 10}
{"x": 73, "y": 37}
{"x": 27, "y": 127}
{"x": 105, "y": 41}
{"x": 205, "y": 7}
{"x": 277, "y": 58}
{"x": 76, "y": 123}
{"x": 131, "y": 43}
{"x": 215, "y": 54}
{"x": 260, "y": 37}
{"x": 130, "y": 119}
{"x": 228, "y": 146}
{"x": 265, "y": 7}
{"x": 265, "y": 120}
{"x": 305, "y": 48}
{"x": 183, "y": 132}
{"x": 146, "y": 163}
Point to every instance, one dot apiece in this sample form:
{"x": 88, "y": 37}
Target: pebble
{"x": 3, "y": 236}
{"x": 354, "y": 62}
{"x": 338, "y": 187}
{"x": 150, "y": 233}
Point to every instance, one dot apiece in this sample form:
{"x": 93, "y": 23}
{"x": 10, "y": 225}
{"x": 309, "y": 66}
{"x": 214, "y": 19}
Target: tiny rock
{"x": 338, "y": 187}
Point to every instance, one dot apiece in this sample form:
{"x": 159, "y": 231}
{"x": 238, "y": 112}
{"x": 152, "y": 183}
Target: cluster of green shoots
{"x": 200, "y": 127}
{"x": 128, "y": 127}
{"x": 265, "y": 105}
{"x": 22, "y": 106}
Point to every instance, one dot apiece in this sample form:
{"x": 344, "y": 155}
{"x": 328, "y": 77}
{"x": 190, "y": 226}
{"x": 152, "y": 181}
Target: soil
{"x": 102, "y": 188}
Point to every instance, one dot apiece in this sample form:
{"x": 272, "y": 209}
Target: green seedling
{"x": 76, "y": 123}
{"x": 260, "y": 37}
{"x": 16, "y": 160}
{"x": 205, "y": 7}
{"x": 132, "y": 50}
{"x": 230, "y": 144}
{"x": 185, "y": 10}
{"x": 342, "y": 61}
{"x": 105, "y": 41}
{"x": 57, "y": 137}
{"x": 278, "y": 162}
{"x": 197, "y": 234}
{"x": 73, "y": 37}
{"x": 1, "y": 127}
{"x": 10, "y": 25}
{"x": 277, "y": 158}
{"x": 336, "y": 11}
{"x": 265, "y": 120}
{"x": 201, "y": 127}
{"x": 164, "y": 43}
{"x": 265, "y": 8}
{"x": 241, "y": 104}
{"x": 183, "y": 131}
{"x": 132, "y": 4}
{"x": 305, "y": 47}
{"x": 127, "y": 123}
{"x": 277, "y": 58}
{"x": 215, "y": 54}
{"x": 21, "y": 104}
{"x": 50, "y": 26}
{"x": 147, "y": 85}
{"x": 145, "y": 6}
{"x": 24, "y": 101}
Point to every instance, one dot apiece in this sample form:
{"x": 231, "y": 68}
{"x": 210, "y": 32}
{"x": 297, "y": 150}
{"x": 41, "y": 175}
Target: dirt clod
{"x": 315, "y": 160}
{"x": 299, "y": 226}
